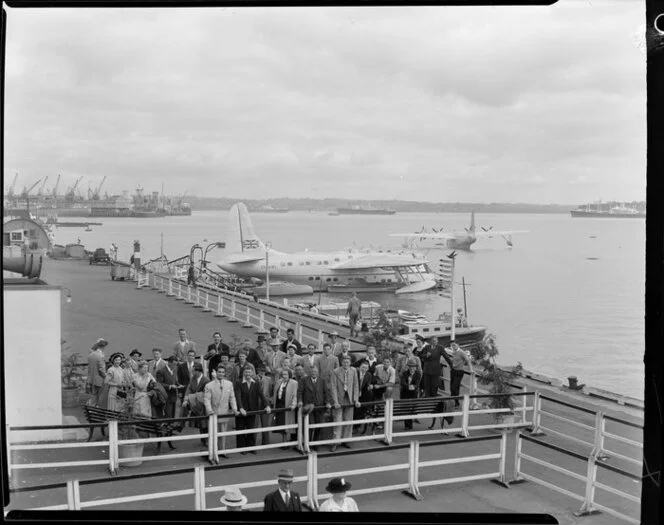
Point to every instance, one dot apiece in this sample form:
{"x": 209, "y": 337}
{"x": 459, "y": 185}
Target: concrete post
{"x": 199, "y": 487}
{"x": 113, "y": 452}
{"x": 413, "y": 471}
{"x": 73, "y": 495}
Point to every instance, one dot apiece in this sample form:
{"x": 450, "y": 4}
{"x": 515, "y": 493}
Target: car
{"x": 100, "y": 257}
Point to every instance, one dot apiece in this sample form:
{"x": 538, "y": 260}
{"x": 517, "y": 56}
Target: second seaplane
{"x": 341, "y": 271}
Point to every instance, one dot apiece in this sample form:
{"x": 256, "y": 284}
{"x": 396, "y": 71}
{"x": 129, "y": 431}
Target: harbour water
{"x": 567, "y": 299}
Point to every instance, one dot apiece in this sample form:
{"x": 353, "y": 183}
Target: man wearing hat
{"x": 334, "y": 343}
{"x": 233, "y": 499}
{"x": 256, "y": 356}
{"x": 134, "y": 358}
{"x": 193, "y": 404}
{"x": 290, "y": 340}
{"x": 167, "y": 377}
{"x": 274, "y": 357}
{"x": 338, "y": 501}
{"x": 96, "y": 370}
{"x": 283, "y": 499}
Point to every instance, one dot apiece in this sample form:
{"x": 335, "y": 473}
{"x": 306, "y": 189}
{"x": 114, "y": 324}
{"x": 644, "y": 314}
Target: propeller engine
{"x": 487, "y": 230}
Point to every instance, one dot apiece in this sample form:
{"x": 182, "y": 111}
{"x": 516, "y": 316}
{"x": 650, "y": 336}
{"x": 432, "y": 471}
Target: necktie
{"x": 314, "y": 380}
{"x": 287, "y": 499}
{"x": 346, "y": 381}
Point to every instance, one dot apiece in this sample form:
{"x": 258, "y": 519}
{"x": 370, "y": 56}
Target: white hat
{"x": 233, "y": 497}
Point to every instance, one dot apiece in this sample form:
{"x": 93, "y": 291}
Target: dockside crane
{"x": 54, "y": 192}
{"x": 71, "y": 192}
{"x": 10, "y": 191}
{"x": 95, "y": 194}
{"x": 26, "y": 191}
{"x": 40, "y": 192}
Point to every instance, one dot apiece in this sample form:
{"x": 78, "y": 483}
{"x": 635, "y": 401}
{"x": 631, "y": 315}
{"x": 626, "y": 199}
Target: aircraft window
{"x": 325, "y": 262}
{"x": 290, "y": 263}
{"x": 320, "y": 263}
{"x": 318, "y": 278}
{"x": 425, "y": 329}
{"x": 389, "y": 280}
{"x": 335, "y": 279}
{"x": 311, "y": 278}
{"x": 308, "y": 263}
{"x": 328, "y": 279}
{"x": 336, "y": 259}
{"x": 414, "y": 330}
{"x": 301, "y": 263}
{"x": 283, "y": 263}
{"x": 437, "y": 329}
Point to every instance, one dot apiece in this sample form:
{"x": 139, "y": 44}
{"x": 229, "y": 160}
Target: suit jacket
{"x": 415, "y": 381}
{"x": 193, "y": 389}
{"x": 290, "y": 401}
{"x": 153, "y": 364}
{"x": 309, "y": 393}
{"x": 168, "y": 379}
{"x": 326, "y": 367}
{"x": 222, "y": 348}
{"x": 365, "y": 394}
{"x": 220, "y": 397}
{"x": 431, "y": 361}
{"x": 183, "y": 375}
{"x": 239, "y": 371}
{"x": 251, "y": 398}
{"x": 256, "y": 356}
{"x": 306, "y": 364}
{"x": 96, "y": 368}
{"x": 372, "y": 366}
{"x": 287, "y": 343}
{"x": 274, "y": 360}
{"x": 273, "y": 502}
{"x": 337, "y": 386}
{"x": 180, "y": 351}
{"x": 267, "y": 386}
{"x": 353, "y": 359}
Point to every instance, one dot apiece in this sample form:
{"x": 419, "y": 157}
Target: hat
{"x": 261, "y": 338}
{"x": 420, "y": 337}
{"x": 334, "y": 333}
{"x": 291, "y": 346}
{"x": 198, "y": 367}
{"x": 101, "y": 342}
{"x": 274, "y": 328}
{"x": 275, "y": 342}
{"x": 117, "y": 354}
{"x": 337, "y": 485}
{"x": 412, "y": 362}
{"x": 285, "y": 474}
{"x": 459, "y": 309}
{"x": 135, "y": 352}
{"x": 233, "y": 497}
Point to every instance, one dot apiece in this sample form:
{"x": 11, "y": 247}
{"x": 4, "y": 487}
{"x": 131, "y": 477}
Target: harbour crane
{"x": 40, "y": 192}
{"x": 54, "y": 192}
{"x": 71, "y": 192}
{"x": 95, "y": 194}
{"x": 27, "y": 191}
{"x": 10, "y": 191}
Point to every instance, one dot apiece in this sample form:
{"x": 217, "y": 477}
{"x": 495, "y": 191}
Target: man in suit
{"x": 266, "y": 382}
{"x": 327, "y": 363}
{"x": 214, "y": 352}
{"x": 196, "y": 386}
{"x": 96, "y": 369}
{"x": 410, "y": 385}
{"x": 256, "y": 356}
{"x": 182, "y": 345}
{"x": 220, "y": 400}
{"x": 274, "y": 336}
{"x": 431, "y": 369}
{"x": 156, "y": 363}
{"x": 370, "y": 358}
{"x": 167, "y": 377}
{"x": 312, "y": 395}
{"x": 185, "y": 371}
{"x": 290, "y": 340}
{"x": 283, "y": 499}
{"x": 345, "y": 393}
{"x": 274, "y": 357}
{"x": 365, "y": 383}
{"x": 250, "y": 398}
{"x": 310, "y": 359}
{"x": 345, "y": 351}
{"x": 242, "y": 364}
{"x": 335, "y": 344}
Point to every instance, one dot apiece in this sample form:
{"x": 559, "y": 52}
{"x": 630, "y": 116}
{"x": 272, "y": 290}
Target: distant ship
{"x": 269, "y": 209}
{"x": 612, "y": 211}
{"x": 369, "y": 210}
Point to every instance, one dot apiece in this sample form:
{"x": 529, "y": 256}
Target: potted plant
{"x": 126, "y": 408}
{"x": 71, "y": 380}
{"x": 498, "y": 379}
{"x": 382, "y": 335}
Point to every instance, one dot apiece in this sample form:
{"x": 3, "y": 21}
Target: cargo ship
{"x": 611, "y": 211}
{"x": 360, "y": 210}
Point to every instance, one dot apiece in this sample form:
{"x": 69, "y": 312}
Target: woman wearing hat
{"x": 338, "y": 501}
{"x": 285, "y": 396}
{"x": 142, "y": 404}
{"x": 114, "y": 381}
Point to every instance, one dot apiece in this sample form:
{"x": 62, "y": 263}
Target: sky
{"x": 441, "y": 104}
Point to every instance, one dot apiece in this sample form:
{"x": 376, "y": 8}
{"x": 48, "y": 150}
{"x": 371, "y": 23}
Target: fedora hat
{"x": 275, "y": 342}
{"x": 334, "y": 333}
{"x": 135, "y": 352}
{"x": 285, "y": 474}
{"x": 233, "y": 497}
{"x": 337, "y": 485}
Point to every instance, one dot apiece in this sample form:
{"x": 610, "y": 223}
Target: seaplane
{"x": 341, "y": 271}
{"x": 457, "y": 240}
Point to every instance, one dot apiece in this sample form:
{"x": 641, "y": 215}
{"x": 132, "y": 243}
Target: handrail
{"x": 576, "y": 407}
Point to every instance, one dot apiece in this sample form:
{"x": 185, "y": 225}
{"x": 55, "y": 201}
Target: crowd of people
{"x": 271, "y": 374}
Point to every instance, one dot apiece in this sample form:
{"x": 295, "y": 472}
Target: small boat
{"x": 419, "y": 286}
{"x": 88, "y": 229}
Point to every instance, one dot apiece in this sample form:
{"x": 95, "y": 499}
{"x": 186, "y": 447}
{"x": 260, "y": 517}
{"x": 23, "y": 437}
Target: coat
{"x": 167, "y": 379}
{"x": 192, "y": 388}
{"x": 273, "y": 502}
{"x": 290, "y": 400}
{"x": 252, "y": 399}
{"x": 219, "y": 397}
{"x": 96, "y": 368}
{"x": 415, "y": 381}
{"x": 153, "y": 364}
{"x": 365, "y": 395}
{"x": 431, "y": 365}
{"x": 182, "y": 373}
{"x": 306, "y": 364}
{"x": 326, "y": 367}
{"x": 337, "y": 386}
{"x": 309, "y": 393}
{"x": 180, "y": 350}
{"x": 274, "y": 360}
{"x": 286, "y": 343}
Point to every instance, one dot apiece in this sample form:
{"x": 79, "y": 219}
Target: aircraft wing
{"x": 492, "y": 233}
{"x": 243, "y": 257}
{"x": 425, "y": 235}
{"x": 378, "y": 261}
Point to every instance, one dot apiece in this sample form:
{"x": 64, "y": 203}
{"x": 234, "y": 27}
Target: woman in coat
{"x": 114, "y": 380}
{"x": 285, "y": 396}
{"x": 141, "y": 398}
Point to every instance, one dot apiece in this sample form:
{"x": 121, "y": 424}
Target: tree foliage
{"x": 484, "y": 356}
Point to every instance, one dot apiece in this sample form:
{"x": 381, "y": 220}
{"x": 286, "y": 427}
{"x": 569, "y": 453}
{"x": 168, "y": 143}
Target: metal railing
{"x": 312, "y": 478}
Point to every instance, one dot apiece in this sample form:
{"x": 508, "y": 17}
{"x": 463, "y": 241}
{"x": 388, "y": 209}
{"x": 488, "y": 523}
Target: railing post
{"x": 247, "y": 321}
{"x": 591, "y": 476}
{"x": 465, "y": 416}
{"x": 298, "y": 331}
{"x": 188, "y": 299}
{"x": 312, "y": 480}
{"x": 113, "y": 453}
{"x": 199, "y": 487}
{"x": 9, "y": 453}
{"x": 197, "y": 302}
{"x": 472, "y": 390}
{"x": 300, "y": 432}
{"x": 277, "y": 321}
{"x": 517, "y": 460}
{"x": 524, "y": 404}
{"x": 305, "y": 433}
{"x": 502, "y": 479}
{"x": 73, "y": 495}
{"x": 170, "y": 288}
{"x": 213, "y": 445}
{"x": 388, "y": 414}
{"x": 600, "y": 427}
{"x": 207, "y": 302}
{"x": 413, "y": 471}
{"x": 321, "y": 338}
{"x": 232, "y": 318}
{"x": 220, "y": 306}
{"x": 537, "y": 415}
{"x": 261, "y": 319}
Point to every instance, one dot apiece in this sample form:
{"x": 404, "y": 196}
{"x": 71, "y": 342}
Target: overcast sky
{"x": 539, "y": 104}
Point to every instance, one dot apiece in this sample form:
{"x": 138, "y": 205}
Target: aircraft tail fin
{"x": 472, "y": 222}
{"x": 240, "y": 236}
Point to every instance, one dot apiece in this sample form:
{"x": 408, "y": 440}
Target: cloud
{"x": 470, "y": 103}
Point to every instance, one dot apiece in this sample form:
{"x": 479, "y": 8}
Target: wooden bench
{"x": 150, "y": 426}
{"x": 427, "y": 405}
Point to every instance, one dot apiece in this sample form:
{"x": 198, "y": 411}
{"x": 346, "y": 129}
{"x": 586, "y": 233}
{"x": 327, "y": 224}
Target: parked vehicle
{"x": 100, "y": 257}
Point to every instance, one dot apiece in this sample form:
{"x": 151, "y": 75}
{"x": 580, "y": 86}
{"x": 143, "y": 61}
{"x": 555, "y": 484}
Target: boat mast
{"x": 452, "y": 256}
{"x": 465, "y": 306}
{"x": 267, "y": 273}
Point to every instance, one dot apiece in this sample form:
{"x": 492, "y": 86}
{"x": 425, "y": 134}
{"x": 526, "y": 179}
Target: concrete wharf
{"x": 130, "y": 318}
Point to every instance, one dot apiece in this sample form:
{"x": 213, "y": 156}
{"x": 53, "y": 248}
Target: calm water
{"x": 550, "y": 306}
